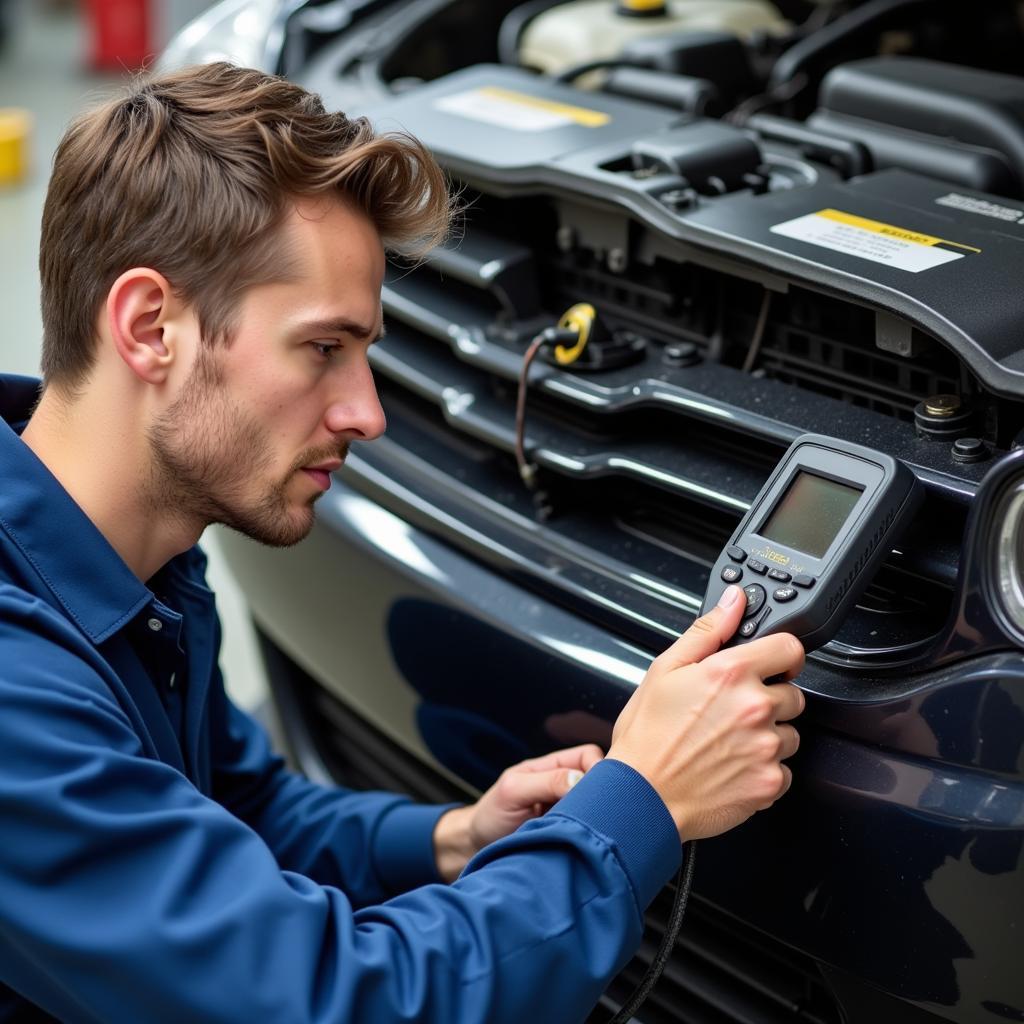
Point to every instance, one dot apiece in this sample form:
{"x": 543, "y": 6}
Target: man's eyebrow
{"x": 342, "y": 325}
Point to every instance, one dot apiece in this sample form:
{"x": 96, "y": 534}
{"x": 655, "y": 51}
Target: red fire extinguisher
{"x": 121, "y": 33}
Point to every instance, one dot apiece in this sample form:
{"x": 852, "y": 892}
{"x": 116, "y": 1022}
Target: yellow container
{"x": 15, "y": 130}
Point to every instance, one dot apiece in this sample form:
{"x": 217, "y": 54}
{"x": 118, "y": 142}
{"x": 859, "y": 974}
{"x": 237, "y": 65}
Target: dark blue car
{"x": 808, "y": 220}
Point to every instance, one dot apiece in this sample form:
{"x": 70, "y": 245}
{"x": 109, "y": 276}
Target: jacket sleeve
{"x": 128, "y": 896}
{"x": 371, "y": 845}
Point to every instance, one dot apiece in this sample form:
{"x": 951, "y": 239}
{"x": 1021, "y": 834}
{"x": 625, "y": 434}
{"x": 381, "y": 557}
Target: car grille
{"x": 721, "y": 971}
{"x": 652, "y": 465}
{"x": 811, "y": 342}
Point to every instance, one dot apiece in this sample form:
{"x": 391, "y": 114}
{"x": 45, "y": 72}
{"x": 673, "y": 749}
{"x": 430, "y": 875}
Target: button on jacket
{"x": 159, "y": 863}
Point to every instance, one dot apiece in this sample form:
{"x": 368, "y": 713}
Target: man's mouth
{"x": 321, "y": 472}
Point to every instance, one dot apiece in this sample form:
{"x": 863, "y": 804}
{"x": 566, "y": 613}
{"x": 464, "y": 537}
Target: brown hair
{"x": 190, "y": 173}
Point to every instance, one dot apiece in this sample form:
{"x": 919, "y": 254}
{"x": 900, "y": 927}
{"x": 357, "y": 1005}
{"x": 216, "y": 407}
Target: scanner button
{"x": 803, "y": 581}
{"x": 756, "y": 597}
{"x": 778, "y": 574}
{"x": 737, "y": 554}
{"x": 755, "y": 566}
{"x": 748, "y": 628}
{"x": 784, "y": 594}
{"x": 731, "y": 574}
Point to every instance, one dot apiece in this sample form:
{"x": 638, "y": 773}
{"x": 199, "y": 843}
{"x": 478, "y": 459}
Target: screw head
{"x": 942, "y": 405}
{"x": 681, "y": 353}
{"x": 969, "y": 449}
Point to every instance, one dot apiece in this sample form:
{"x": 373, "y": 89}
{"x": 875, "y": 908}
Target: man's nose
{"x": 356, "y": 410}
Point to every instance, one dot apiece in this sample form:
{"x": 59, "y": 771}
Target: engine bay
{"x": 790, "y": 217}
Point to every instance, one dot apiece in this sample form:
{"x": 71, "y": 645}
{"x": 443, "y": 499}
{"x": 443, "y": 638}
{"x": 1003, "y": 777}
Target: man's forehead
{"x": 332, "y": 262}
{"x": 327, "y": 213}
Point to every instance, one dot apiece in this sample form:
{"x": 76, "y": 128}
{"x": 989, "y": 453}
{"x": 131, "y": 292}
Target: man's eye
{"x": 326, "y": 348}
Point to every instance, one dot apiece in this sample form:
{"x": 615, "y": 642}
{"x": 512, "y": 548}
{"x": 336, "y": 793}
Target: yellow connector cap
{"x": 643, "y": 6}
{"x": 579, "y": 318}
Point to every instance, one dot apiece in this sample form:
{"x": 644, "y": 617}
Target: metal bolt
{"x": 681, "y": 353}
{"x": 679, "y": 198}
{"x": 617, "y": 260}
{"x": 942, "y": 405}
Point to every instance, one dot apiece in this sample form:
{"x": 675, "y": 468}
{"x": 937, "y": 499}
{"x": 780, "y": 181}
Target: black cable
{"x": 778, "y": 94}
{"x": 574, "y": 71}
{"x": 758, "y": 337}
{"x": 684, "y": 881}
{"x": 528, "y": 472}
{"x": 814, "y": 49}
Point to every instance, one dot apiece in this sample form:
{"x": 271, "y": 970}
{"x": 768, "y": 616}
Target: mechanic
{"x": 212, "y": 258}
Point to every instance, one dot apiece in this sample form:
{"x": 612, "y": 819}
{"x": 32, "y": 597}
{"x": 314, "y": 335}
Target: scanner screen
{"x": 810, "y": 513}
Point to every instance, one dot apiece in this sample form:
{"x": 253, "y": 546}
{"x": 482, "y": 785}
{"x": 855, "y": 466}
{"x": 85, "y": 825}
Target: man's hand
{"x": 524, "y": 791}
{"x": 705, "y": 730}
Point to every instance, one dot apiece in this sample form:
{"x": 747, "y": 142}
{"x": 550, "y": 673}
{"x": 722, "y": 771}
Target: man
{"x": 212, "y": 257}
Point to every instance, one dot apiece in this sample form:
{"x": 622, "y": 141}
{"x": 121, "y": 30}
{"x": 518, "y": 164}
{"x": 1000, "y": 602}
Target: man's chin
{"x": 285, "y": 532}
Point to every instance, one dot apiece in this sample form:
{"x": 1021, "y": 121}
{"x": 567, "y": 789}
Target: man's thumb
{"x": 709, "y": 632}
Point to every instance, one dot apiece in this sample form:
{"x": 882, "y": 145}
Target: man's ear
{"x": 141, "y": 306}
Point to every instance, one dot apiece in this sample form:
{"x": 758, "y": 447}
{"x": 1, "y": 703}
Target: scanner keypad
{"x": 756, "y": 598}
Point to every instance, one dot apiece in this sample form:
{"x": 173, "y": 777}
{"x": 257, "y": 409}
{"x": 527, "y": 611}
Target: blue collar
{"x": 84, "y": 573}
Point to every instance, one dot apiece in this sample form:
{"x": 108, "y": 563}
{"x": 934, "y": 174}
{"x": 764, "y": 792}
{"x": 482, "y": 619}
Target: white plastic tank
{"x": 588, "y": 30}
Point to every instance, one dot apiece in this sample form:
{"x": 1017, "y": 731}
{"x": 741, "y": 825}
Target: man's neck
{"x": 95, "y": 448}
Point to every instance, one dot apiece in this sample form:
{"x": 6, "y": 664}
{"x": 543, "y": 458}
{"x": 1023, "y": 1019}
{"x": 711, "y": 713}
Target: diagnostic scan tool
{"x": 814, "y": 537}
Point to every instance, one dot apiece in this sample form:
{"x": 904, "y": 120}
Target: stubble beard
{"x": 207, "y": 457}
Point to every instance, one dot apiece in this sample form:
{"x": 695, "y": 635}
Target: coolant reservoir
{"x": 586, "y": 30}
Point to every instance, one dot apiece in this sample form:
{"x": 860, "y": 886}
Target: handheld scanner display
{"x": 814, "y": 537}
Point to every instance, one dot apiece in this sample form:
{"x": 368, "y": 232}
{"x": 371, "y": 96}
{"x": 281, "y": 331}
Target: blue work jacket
{"x": 158, "y": 863}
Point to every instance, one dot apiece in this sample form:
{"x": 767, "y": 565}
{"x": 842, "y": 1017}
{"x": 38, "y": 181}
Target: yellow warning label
{"x": 581, "y": 115}
{"x": 874, "y": 240}
{"x": 890, "y": 230}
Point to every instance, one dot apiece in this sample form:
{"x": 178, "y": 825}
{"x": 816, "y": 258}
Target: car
{"x": 770, "y": 219}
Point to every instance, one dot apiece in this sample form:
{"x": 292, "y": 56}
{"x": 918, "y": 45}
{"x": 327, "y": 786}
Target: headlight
{"x": 1009, "y": 554}
{"x": 233, "y": 30}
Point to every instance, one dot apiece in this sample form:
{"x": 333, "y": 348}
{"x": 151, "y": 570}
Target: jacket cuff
{"x": 403, "y": 849}
{"x": 617, "y": 802}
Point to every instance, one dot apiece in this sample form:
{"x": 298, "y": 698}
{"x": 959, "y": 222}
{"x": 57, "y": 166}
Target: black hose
{"x": 867, "y": 18}
{"x": 571, "y": 73}
{"x": 514, "y": 24}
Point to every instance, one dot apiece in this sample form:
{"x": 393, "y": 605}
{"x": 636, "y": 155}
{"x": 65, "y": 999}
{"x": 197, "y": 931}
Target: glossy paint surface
{"x": 896, "y": 857}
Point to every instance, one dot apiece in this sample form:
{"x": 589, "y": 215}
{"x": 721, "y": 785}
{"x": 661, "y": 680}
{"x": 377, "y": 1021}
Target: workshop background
{"x": 56, "y": 57}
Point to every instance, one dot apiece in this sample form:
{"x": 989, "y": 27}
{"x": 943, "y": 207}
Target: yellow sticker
{"x": 581, "y": 115}
{"x": 519, "y": 111}
{"x": 874, "y": 240}
{"x": 891, "y": 230}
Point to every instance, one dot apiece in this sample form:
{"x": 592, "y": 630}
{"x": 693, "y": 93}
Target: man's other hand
{"x": 524, "y": 791}
{"x": 705, "y": 730}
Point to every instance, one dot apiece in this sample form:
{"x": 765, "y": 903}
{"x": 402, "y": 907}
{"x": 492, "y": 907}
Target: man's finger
{"x": 787, "y": 780}
{"x": 707, "y": 633}
{"x": 789, "y": 701}
{"x": 772, "y": 655}
{"x": 789, "y": 741}
{"x": 524, "y": 789}
{"x": 583, "y": 757}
